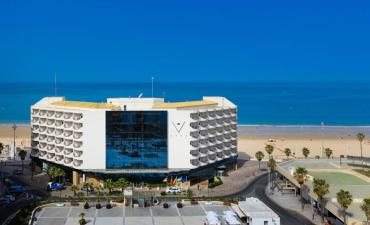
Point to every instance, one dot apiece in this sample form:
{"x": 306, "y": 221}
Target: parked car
{"x": 10, "y": 197}
{"x": 54, "y": 186}
{"x": 15, "y": 188}
{"x": 173, "y": 190}
{"x": 4, "y": 201}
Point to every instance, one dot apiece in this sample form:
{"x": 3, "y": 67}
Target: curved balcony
{"x": 50, "y": 113}
{"x": 220, "y": 130}
{"x": 203, "y": 159}
{"x": 50, "y": 147}
{"x": 212, "y": 123}
{"x": 77, "y": 144}
{"x": 227, "y": 112}
{"x": 212, "y": 114}
{"x": 58, "y": 123}
{"x": 42, "y": 112}
{"x": 42, "y": 153}
{"x": 35, "y": 128}
{"x": 227, "y": 152}
{"x": 204, "y": 124}
{"x": 195, "y": 144}
{"x": 194, "y": 162}
{"x": 212, "y": 156}
{"x": 77, "y": 135}
{"x": 234, "y": 143}
{"x": 58, "y": 115}
{"x": 35, "y": 120}
{"x": 194, "y": 116}
{"x": 233, "y": 111}
{"x": 194, "y": 152}
{"x": 220, "y": 138}
{"x": 203, "y": 143}
{"x": 42, "y": 146}
{"x": 50, "y": 130}
{"x": 194, "y": 125}
{"x": 227, "y": 136}
{"x": 203, "y": 150}
{"x": 68, "y": 160}
{"x": 227, "y": 144}
{"x": 234, "y": 135}
{"x": 67, "y": 133}
{"x": 220, "y": 155}
{"x": 35, "y": 136}
{"x": 42, "y": 121}
{"x": 227, "y": 120}
{"x": 42, "y": 137}
{"x": 220, "y": 113}
{"x": 35, "y": 111}
{"x": 34, "y": 144}
{"x": 220, "y": 122}
{"x": 77, "y": 153}
{"x": 194, "y": 134}
{"x": 59, "y": 158}
{"x": 77, "y": 162}
{"x": 67, "y": 124}
{"x": 50, "y": 122}
{"x": 34, "y": 152}
{"x": 67, "y": 115}
{"x": 219, "y": 148}
{"x": 58, "y": 141}
{"x": 68, "y": 151}
{"x": 68, "y": 142}
{"x": 58, "y": 132}
{"x": 227, "y": 128}
{"x": 233, "y": 127}
{"x": 77, "y": 126}
{"x": 203, "y": 133}
{"x": 50, "y": 138}
{"x": 58, "y": 149}
{"x": 50, "y": 155}
{"x": 212, "y": 148}
{"x": 234, "y": 150}
{"x": 77, "y": 116}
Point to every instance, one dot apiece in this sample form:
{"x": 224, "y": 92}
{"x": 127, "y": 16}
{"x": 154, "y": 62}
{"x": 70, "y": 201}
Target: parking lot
{"x": 188, "y": 215}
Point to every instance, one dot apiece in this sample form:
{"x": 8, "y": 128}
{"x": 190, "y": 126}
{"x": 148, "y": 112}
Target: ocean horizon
{"x": 259, "y": 103}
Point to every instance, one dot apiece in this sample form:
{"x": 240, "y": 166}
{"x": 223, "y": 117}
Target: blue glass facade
{"x": 136, "y": 139}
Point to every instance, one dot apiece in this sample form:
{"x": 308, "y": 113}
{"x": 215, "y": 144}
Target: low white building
{"x": 135, "y": 137}
{"x": 257, "y": 213}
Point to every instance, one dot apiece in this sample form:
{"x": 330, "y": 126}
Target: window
{"x": 136, "y": 139}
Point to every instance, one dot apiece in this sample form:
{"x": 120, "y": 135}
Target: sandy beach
{"x": 342, "y": 140}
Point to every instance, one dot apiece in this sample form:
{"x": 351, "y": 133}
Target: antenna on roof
{"x": 140, "y": 95}
{"x": 55, "y": 84}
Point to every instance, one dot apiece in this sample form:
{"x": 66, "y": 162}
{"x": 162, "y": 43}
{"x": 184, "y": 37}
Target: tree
{"x": 305, "y": 152}
{"x": 22, "y": 154}
{"x": 87, "y": 186}
{"x": 259, "y": 156}
{"x": 121, "y": 183}
{"x": 300, "y": 174}
{"x": 60, "y": 173}
{"x": 365, "y": 207}
{"x": 74, "y": 188}
{"x": 328, "y": 152}
{"x": 287, "y": 152}
{"x": 271, "y": 164}
{"x": 1, "y": 147}
{"x": 82, "y": 220}
{"x": 99, "y": 189}
{"x": 33, "y": 168}
{"x": 360, "y": 138}
{"x": 269, "y": 149}
{"x": 344, "y": 199}
{"x": 320, "y": 188}
{"x": 109, "y": 184}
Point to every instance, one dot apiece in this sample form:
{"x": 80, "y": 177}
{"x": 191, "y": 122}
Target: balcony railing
{"x": 68, "y": 151}
{"x": 77, "y": 116}
{"x": 68, "y": 160}
{"x": 67, "y": 116}
{"x": 50, "y": 113}
{"x": 77, "y": 153}
{"x": 58, "y": 114}
{"x": 77, "y": 126}
{"x": 77, "y": 162}
{"x": 194, "y": 162}
{"x": 58, "y": 149}
{"x": 59, "y": 157}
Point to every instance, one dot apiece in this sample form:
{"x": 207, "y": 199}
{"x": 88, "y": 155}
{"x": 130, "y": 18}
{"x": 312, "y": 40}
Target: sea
{"x": 262, "y": 103}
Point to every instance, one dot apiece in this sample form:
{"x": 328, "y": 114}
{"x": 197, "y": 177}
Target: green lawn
{"x": 339, "y": 178}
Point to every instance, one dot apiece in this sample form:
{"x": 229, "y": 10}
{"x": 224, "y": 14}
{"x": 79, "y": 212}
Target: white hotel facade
{"x": 144, "y": 138}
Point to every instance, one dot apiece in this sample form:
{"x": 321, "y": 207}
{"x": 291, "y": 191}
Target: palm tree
{"x": 259, "y": 156}
{"x": 287, "y": 152}
{"x": 87, "y": 187}
{"x": 22, "y": 154}
{"x": 305, "y": 152}
{"x": 121, "y": 183}
{"x": 300, "y": 174}
{"x": 74, "y": 188}
{"x": 360, "y": 138}
{"x": 328, "y": 152}
{"x": 60, "y": 173}
{"x": 269, "y": 149}
{"x": 109, "y": 184}
{"x": 271, "y": 164}
{"x": 99, "y": 189}
{"x": 82, "y": 220}
{"x": 344, "y": 199}
{"x": 320, "y": 188}
{"x": 365, "y": 207}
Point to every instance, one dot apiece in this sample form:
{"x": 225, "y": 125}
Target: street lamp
{"x": 14, "y": 128}
{"x": 322, "y": 144}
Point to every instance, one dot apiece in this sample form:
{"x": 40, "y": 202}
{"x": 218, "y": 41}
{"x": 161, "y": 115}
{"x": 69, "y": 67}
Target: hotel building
{"x": 139, "y": 138}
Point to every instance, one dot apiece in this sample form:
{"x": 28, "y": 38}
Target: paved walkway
{"x": 292, "y": 202}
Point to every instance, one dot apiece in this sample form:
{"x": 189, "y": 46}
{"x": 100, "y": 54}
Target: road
{"x": 257, "y": 189}
{"x": 29, "y": 195}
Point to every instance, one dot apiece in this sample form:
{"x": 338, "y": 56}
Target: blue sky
{"x": 128, "y": 41}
